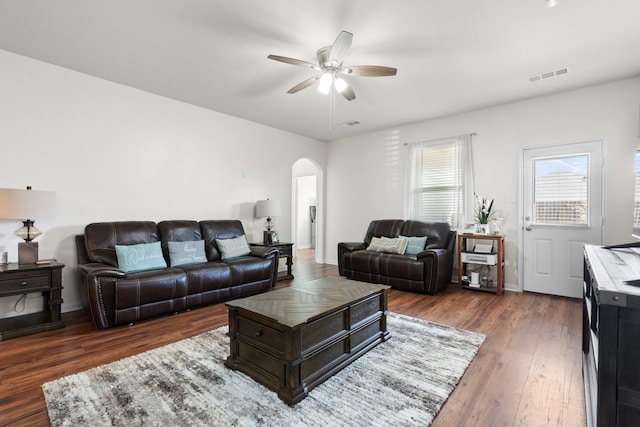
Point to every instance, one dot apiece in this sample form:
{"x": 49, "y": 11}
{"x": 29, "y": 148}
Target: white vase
{"x": 496, "y": 226}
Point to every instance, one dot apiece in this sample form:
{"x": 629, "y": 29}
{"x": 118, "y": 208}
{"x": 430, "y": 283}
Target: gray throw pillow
{"x": 232, "y": 248}
{"x": 184, "y": 253}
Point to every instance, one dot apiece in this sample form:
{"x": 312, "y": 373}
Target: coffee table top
{"x": 302, "y": 303}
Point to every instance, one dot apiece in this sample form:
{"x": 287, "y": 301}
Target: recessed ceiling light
{"x": 551, "y": 3}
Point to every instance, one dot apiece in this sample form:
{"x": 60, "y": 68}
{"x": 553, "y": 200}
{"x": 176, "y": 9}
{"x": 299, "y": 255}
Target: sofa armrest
{"x": 344, "y": 247}
{"x": 97, "y": 291}
{"x": 438, "y": 267}
{"x": 96, "y": 268}
{"x": 268, "y": 253}
{"x": 263, "y": 252}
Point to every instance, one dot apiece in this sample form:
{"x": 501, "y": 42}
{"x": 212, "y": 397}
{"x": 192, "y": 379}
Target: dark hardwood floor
{"x": 527, "y": 372}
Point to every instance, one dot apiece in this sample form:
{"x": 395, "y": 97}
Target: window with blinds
{"x": 560, "y": 195}
{"x": 438, "y": 180}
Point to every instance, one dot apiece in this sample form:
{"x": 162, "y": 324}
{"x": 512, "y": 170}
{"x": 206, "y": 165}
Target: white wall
{"x": 115, "y": 153}
{"x": 365, "y": 174}
{"x": 111, "y": 152}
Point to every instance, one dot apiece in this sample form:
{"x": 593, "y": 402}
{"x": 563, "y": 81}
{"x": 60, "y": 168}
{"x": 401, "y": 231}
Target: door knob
{"x": 528, "y": 228}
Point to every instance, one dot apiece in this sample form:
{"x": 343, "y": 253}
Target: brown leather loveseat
{"x": 425, "y": 265}
{"x": 196, "y": 272}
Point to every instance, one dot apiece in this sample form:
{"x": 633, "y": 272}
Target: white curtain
{"x": 439, "y": 181}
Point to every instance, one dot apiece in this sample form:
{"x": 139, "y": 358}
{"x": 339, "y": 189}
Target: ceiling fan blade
{"x": 370, "y": 71}
{"x": 303, "y": 85}
{"x": 293, "y": 61}
{"x": 340, "y": 47}
{"x": 348, "y": 93}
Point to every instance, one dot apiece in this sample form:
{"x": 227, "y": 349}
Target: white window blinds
{"x": 439, "y": 181}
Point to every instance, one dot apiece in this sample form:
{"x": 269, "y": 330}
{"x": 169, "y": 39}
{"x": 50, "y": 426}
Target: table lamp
{"x": 25, "y": 205}
{"x": 267, "y": 209}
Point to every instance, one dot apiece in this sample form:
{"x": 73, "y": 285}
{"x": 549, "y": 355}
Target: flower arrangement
{"x": 483, "y": 209}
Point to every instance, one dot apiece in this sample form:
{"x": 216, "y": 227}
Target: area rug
{"x": 403, "y": 381}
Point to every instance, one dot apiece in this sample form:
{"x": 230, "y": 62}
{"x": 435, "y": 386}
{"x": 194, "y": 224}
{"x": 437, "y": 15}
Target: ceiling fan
{"x": 330, "y": 62}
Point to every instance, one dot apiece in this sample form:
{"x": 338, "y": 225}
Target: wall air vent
{"x": 349, "y": 124}
{"x": 548, "y": 74}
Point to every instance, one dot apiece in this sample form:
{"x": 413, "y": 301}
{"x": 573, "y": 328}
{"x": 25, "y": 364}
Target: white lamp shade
{"x": 26, "y": 204}
{"x": 267, "y": 208}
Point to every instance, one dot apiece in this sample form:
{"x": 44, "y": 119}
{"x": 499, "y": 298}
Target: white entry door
{"x": 562, "y": 210}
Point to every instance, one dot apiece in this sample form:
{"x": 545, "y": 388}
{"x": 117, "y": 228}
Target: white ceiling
{"x": 452, "y": 56}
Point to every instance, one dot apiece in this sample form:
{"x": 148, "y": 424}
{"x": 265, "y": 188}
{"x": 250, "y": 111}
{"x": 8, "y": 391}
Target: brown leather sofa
{"x": 113, "y": 297}
{"x": 428, "y": 271}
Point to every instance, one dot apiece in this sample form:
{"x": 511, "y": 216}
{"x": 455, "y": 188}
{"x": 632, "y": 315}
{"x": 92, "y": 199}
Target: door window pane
{"x": 560, "y": 195}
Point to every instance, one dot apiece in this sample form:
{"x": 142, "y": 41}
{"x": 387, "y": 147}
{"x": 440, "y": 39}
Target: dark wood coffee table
{"x": 292, "y": 339}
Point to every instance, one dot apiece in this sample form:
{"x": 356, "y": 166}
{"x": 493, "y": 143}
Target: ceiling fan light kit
{"x": 325, "y": 83}
{"x": 330, "y": 62}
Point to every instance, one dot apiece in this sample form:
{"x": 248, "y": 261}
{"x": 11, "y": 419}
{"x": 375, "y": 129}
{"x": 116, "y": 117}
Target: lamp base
{"x": 27, "y": 252}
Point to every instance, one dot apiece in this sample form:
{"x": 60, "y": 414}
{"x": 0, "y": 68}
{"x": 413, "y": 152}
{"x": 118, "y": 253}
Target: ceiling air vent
{"x": 349, "y": 124}
{"x": 548, "y": 74}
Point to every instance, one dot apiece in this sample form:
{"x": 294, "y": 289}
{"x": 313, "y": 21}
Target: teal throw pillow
{"x": 184, "y": 253}
{"x": 415, "y": 245}
{"x": 232, "y": 248}
{"x": 144, "y": 256}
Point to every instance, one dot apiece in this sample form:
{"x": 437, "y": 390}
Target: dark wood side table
{"x": 18, "y": 279}
{"x": 286, "y": 250}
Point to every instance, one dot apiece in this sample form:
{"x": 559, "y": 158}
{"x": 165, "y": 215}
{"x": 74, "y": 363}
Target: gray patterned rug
{"x": 403, "y": 381}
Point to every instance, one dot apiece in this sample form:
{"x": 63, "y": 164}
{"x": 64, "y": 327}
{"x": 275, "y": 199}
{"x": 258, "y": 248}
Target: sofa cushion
{"x": 208, "y": 283}
{"x": 384, "y": 227}
{"x": 185, "y": 253}
{"x": 233, "y": 248}
{"x": 150, "y": 293}
{"x": 367, "y": 261}
{"x": 219, "y": 229}
{"x": 249, "y": 270}
{"x": 178, "y": 231}
{"x": 415, "y": 245}
{"x": 401, "y": 267}
{"x": 437, "y": 233}
{"x": 143, "y": 256}
{"x": 101, "y": 238}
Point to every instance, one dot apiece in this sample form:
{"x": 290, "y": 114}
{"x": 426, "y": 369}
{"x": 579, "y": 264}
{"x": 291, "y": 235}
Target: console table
{"x": 467, "y": 256}
{"x": 286, "y": 251}
{"x": 18, "y": 279}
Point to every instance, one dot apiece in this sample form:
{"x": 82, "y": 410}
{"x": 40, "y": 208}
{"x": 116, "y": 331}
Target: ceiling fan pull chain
{"x": 332, "y": 108}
